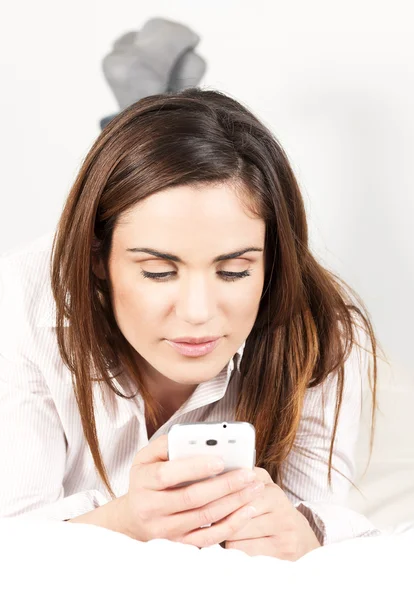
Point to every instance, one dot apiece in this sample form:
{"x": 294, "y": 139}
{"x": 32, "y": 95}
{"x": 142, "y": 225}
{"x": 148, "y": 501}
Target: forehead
{"x": 186, "y": 218}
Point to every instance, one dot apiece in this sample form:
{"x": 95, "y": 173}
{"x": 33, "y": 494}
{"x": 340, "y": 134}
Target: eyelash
{"x": 227, "y": 275}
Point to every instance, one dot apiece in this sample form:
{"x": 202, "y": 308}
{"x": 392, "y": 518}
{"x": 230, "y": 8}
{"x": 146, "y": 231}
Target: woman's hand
{"x": 151, "y": 509}
{"x": 278, "y": 529}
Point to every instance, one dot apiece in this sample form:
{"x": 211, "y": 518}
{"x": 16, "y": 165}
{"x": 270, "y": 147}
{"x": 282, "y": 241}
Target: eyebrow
{"x": 177, "y": 259}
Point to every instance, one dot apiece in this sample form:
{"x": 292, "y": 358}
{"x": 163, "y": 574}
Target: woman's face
{"x": 195, "y": 292}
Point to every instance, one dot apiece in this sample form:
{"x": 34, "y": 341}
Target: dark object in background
{"x": 157, "y": 59}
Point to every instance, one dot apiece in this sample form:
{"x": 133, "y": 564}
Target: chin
{"x": 192, "y": 374}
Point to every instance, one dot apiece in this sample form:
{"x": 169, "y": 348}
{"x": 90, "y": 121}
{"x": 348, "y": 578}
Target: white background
{"x": 333, "y": 80}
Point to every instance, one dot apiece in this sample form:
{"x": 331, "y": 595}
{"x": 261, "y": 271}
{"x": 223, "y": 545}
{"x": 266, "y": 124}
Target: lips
{"x": 192, "y": 349}
{"x": 193, "y": 340}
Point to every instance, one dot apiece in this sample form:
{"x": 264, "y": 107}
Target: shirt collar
{"x": 239, "y": 355}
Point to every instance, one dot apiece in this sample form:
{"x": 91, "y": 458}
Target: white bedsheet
{"x": 55, "y": 560}
{"x": 386, "y": 487}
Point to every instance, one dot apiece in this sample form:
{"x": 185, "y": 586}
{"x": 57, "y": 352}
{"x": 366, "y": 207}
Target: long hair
{"x": 306, "y": 321}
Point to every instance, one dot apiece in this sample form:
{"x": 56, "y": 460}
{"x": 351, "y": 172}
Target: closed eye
{"x": 233, "y": 275}
{"x": 225, "y": 275}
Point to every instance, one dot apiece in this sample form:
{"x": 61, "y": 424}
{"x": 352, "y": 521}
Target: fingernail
{"x": 216, "y": 465}
{"x": 250, "y": 512}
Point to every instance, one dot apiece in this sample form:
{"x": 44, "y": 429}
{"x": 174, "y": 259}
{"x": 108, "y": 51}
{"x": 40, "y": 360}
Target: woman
{"x": 184, "y": 225}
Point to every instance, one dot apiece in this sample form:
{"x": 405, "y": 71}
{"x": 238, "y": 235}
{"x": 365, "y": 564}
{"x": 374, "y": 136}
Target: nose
{"x": 195, "y": 303}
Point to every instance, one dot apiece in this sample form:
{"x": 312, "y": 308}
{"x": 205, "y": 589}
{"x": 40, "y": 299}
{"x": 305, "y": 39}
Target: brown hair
{"x": 305, "y": 326}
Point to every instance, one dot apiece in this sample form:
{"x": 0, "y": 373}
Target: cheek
{"x": 243, "y": 303}
{"x": 136, "y": 304}
{"x": 250, "y": 304}
{"x": 250, "y": 297}
{"x": 125, "y": 296}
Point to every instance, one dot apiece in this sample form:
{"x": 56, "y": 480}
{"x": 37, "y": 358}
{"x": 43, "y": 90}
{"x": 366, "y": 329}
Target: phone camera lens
{"x": 224, "y": 425}
{"x": 211, "y": 442}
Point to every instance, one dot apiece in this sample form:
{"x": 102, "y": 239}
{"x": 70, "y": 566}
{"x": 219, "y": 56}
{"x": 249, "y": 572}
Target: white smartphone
{"x": 234, "y": 442}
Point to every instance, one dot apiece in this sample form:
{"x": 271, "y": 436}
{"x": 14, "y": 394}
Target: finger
{"x": 170, "y": 473}
{"x": 155, "y": 451}
{"x": 258, "y": 547}
{"x": 221, "y": 531}
{"x": 273, "y": 499}
{"x": 258, "y": 527}
{"x": 269, "y": 501}
{"x": 215, "y": 512}
{"x": 273, "y": 510}
{"x": 263, "y": 475}
{"x": 204, "y": 492}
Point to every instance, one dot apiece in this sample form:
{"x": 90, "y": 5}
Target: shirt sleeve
{"x": 305, "y": 471}
{"x": 32, "y": 437}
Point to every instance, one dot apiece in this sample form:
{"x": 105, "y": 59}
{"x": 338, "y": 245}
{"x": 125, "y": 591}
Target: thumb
{"x": 155, "y": 451}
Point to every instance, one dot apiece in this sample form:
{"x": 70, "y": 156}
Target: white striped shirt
{"x": 46, "y": 468}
